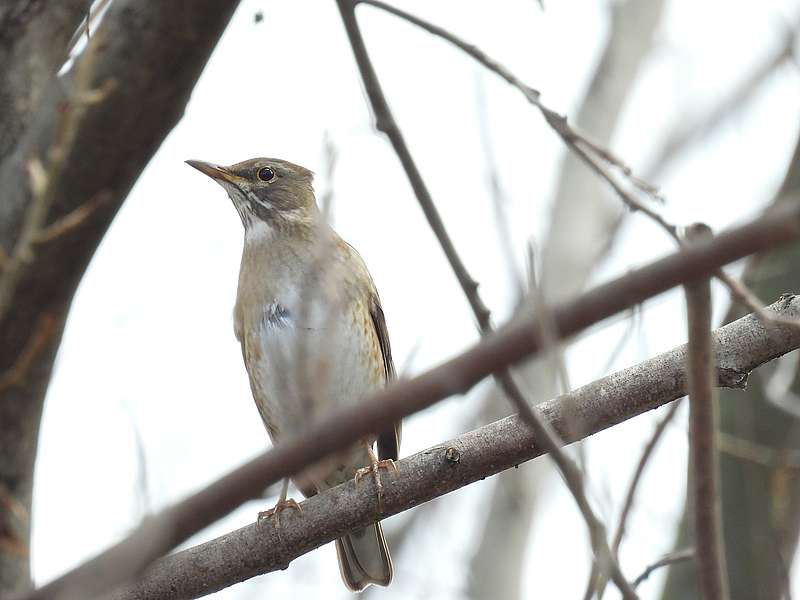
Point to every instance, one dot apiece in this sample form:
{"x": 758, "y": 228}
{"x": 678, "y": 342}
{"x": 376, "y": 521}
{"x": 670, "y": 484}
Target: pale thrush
{"x": 312, "y": 332}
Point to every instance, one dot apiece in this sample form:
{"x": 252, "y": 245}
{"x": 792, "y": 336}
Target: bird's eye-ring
{"x": 266, "y": 174}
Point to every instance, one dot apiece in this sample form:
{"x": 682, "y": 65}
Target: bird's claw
{"x": 374, "y": 469}
{"x": 275, "y": 512}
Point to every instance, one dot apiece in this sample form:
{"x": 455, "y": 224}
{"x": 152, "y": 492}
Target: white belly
{"x": 302, "y": 370}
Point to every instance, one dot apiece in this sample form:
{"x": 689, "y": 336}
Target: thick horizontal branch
{"x": 497, "y": 351}
{"x": 741, "y": 346}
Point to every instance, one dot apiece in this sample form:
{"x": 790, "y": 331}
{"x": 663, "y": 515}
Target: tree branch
{"x": 703, "y": 417}
{"x": 259, "y": 548}
{"x": 590, "y": 151}
{"x": 500, "y": 350}
{"x": 665, "y": 561}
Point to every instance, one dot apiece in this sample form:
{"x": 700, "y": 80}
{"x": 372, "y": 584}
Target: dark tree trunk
{"x": 147, "y": 57}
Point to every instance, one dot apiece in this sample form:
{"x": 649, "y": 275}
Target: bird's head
{"x": 266, "y": 190}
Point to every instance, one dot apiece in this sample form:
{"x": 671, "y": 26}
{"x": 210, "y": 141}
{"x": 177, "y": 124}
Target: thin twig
{"x": 508, "y": 346}
{"x": 704, "y": 472}
{"x": 72, "y": 220}
{"x": 738, "y": 289}
{"x": 13, "y": 518}
{"x": 41, "y": 336}
{"x": 616, "y": 352}
{"x": 496, "y": 191}
{"x": 553, "y": 348}
{"x": 570, "y": 135}
{"x": 633, "y": 486}
{"x": 668, "y": 559}
{"x": 45, "y": 179}
{"x": 595, "y": 581}
{"x": 385, "y": 122}
{"x": 760, "y": 454}
{"x": 697, "y": 127}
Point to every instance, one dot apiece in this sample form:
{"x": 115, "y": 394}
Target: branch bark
{"x": 153, "y": 52}
{"x": 259, "y": 548}
{"x": 497, "y": 351}
{"x": 33, "y": 45}
{"x": 704, "y": 471}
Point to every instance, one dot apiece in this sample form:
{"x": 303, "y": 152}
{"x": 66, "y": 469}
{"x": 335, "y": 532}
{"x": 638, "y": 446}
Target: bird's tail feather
{"x": 364, "y": 558}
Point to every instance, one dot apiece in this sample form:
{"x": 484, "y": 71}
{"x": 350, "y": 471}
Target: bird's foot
{"x": 374, "y": 469}
{"x": 275, "y": 512}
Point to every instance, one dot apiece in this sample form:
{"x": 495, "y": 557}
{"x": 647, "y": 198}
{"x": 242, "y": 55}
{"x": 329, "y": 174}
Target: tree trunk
{"x": 146, "y": 57}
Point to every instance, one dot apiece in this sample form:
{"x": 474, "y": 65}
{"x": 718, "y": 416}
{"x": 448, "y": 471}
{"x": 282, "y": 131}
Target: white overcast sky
{"x": 149, "y": 351}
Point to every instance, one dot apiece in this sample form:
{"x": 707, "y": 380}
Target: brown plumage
{"x": 313, "y": 334}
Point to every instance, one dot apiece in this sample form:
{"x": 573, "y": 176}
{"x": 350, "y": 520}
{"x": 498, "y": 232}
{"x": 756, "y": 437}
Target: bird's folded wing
{"x": 388, "y": 441}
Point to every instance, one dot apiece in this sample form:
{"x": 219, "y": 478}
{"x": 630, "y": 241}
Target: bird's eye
{"x": 266, "y": 174}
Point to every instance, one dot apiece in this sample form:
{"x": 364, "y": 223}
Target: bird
{"x": 313, "y": 337}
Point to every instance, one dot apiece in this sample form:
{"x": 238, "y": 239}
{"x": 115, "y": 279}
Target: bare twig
{"x": 553, "y": 350}
{"x": 704, "y": 472}
{"x": 595, "y": 581}
{"x": 498, "y": 194}
{"x": 647, "y": 452}
{"x": 613, "y": 356}
{"x": 45, "y": 180}
{"x": 738, "y": 290}
{"x": 443, "y": 468}
{"x": 11, "y": 511}
{"x": 699, "y": 126}
{"x": 668, "y": 559}
{"x": 72, "y": 220}
{"x": 495, "y": 352}
{"x": 758, "y": 453}
{"x": 38, "y": 341}
{"x": 550, "y": 342}
{"x": 593, "y": 151}
{"x": 385, "y": 122}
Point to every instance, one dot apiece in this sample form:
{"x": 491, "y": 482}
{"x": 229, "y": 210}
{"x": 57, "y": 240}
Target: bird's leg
{"x": 281, "y": 505}
{"x": 375, "y": 468}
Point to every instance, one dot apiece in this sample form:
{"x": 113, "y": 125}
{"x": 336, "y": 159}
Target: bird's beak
{"x": 214, "y": 171}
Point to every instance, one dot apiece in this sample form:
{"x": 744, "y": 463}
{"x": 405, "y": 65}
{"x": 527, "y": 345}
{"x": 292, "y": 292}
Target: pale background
{"x": 150, "y": 399}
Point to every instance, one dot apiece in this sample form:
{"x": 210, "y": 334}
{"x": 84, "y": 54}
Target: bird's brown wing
{"x": 388, "y": 441}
